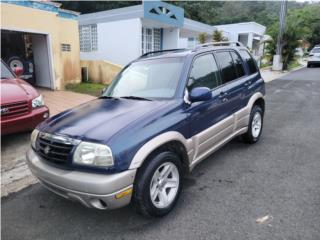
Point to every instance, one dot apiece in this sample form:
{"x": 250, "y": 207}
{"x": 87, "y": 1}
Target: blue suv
{"x": 162, "y": 115}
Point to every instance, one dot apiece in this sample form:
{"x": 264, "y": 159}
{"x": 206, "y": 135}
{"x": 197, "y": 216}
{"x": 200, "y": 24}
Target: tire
{"x": 146, "y": 182}
{"x": 308, "y": 65}
{"x": 16, "y": 61}
{"x": 252, "y": 135}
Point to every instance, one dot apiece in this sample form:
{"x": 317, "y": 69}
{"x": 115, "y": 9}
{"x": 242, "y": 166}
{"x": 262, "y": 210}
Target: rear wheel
{"x": 158, "y": 185}
{"x": 255, "y": 125}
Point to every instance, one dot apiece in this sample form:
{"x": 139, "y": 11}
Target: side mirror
{"x": 103, "y": 90}
{"x": 18, "y": 71}
{"x": 199, "y": 94}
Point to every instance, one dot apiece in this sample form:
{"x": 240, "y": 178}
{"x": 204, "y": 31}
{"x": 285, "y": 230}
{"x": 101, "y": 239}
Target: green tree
{"x": 302, "y": 25}
{"x": 217, "y": 36}
{"x": 202, "y": 38}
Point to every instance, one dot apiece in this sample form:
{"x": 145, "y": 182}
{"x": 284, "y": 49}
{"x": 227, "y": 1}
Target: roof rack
{"x": 227, "y": 43}
{"x": 161, "y": 51}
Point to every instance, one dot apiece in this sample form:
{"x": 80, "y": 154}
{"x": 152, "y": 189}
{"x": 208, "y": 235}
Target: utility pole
{"x": 277, "y": 59}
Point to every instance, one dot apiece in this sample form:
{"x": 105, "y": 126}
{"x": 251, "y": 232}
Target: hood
{"x": 100, "y": 119}
{"x": 16, "y": 90}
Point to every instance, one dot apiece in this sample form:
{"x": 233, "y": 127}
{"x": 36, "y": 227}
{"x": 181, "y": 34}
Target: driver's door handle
{"x": 223, "y": 96}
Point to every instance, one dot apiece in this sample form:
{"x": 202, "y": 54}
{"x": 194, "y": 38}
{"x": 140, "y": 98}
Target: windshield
{"x": 316, "y": 50}
{"x": 157, "y": 78}
{"x": 5, "y": 72}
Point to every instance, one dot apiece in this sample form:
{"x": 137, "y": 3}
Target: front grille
{"x": 14, "y": 109}
{"x": 54, "y": 149}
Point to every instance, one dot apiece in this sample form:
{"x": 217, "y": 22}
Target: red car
{"x": 22, "y": 107}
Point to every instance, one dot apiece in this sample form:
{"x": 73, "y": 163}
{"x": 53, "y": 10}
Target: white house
{"x": 249, "y": 34}
{"x": 122, "y": 35}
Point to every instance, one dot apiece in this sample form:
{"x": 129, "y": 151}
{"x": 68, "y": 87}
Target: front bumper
{"x": 92, "y": 190}
{"x": 25, "y": 122}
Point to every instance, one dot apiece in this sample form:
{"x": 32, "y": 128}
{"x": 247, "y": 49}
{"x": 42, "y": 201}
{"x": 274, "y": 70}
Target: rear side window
{"x": 228, "y": 70}
{"x": 250, "y": 61}
{"x": 238, "y": 64}
{"x": 204, "y": 73}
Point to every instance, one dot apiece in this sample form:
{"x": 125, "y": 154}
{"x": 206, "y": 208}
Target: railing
{"x": 212, "y": 44}
{"x": 161, "y": 51}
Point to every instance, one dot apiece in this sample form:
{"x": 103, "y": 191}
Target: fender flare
{"x": 156, "y": 142}
{"x": 253, "y": 99}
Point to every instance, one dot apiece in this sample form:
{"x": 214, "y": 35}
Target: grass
{"x": 293, "y": 65}
{"x": 264, "y": 65}
{"x": 93, "y": 89}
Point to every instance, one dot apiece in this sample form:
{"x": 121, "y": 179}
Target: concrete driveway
{"x": 14, "y": 172}
{"x": 222, "y": 198}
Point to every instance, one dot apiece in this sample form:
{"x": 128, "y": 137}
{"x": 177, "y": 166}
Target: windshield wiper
{"x": 136, "y": 98}
{"x": 108, "y": 97}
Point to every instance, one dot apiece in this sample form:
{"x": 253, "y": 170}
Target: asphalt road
{"x": 307, "y": 74}
{"x": 223, "y": 196}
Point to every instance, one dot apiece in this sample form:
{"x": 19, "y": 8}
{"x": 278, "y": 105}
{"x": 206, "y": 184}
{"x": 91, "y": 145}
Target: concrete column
{"x": 250, "y": 40}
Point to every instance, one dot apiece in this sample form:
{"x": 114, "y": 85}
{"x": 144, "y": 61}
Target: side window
{"x": 250, "y": 61}
{"x": 228, "y": 71}
{"x": 204, "y": 73}
{"x": 238, "y": 64}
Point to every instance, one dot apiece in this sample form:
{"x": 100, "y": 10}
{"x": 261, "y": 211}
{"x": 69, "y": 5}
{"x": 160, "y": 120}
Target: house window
{"x": 151, "y": 39}
{"x": 88, "y": 38}
{"x": 65, "y": 47}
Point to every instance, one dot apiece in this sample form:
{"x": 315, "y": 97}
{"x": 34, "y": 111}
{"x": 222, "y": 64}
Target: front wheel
{"x": 255, "y": 125}
{"x": 158, "y": 185}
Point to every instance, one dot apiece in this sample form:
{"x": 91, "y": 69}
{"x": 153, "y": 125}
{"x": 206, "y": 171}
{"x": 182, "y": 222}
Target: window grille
{"x": 65, "y": 47}
{"x": 151, "y": 39}
{"x": 88, "y": 38}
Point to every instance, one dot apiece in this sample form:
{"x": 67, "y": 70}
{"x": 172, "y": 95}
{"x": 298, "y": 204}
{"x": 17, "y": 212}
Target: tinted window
{"x": 228, "y": 71}
{"x": 204, "y": 73}
{"x": 315, "y": 50}
{"x": 238, "y": 64}
{"x": 250, "y": 61}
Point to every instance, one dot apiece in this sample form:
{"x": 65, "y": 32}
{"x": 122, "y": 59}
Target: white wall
{"x": 118, "y": 42}
{"x": 170, "y": 38}
{"x": 183, "y": 43}
{"x": 243, "y": 28}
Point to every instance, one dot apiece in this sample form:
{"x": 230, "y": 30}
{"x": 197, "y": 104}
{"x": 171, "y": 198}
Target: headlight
{"x": 37, "y": 102}
{"x": 92, "y": 154}
{"x": 34, "y": 136}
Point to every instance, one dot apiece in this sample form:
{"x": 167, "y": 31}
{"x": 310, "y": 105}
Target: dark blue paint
{"x": 125, "y": 125}
{"x": 199, "y": 94}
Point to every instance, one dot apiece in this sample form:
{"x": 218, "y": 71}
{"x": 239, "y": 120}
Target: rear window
{"x": 250, "y": 61}
{"x": 238, "y": 64}
{"x": 228, "y": 70}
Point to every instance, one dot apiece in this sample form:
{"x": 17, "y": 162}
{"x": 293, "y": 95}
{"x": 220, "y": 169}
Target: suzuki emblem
{"x": 46, "y": 149}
